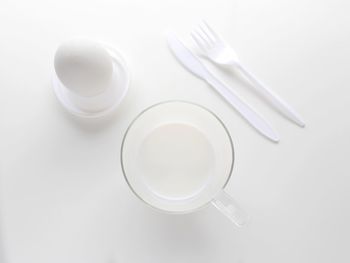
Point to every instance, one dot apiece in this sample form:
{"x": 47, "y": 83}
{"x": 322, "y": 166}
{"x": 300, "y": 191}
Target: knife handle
{"x": 273, "y": 98}
{"x": 253, "y": 118}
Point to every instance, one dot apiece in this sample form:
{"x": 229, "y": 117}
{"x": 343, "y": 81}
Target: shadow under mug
{"x": 178, "y": 157}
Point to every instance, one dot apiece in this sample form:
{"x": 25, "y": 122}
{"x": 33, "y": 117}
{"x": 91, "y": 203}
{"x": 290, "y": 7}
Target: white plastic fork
{"x": 215, "y": 48}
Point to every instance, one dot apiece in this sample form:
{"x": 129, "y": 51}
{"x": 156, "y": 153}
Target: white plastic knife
{"x": 194, "y": 65}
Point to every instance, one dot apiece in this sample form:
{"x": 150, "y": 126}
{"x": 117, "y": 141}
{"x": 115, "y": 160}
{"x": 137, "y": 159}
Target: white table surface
{"x": 63, "y": 197}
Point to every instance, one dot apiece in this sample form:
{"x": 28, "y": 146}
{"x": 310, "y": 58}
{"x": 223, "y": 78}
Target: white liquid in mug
{"x": 176, "y": 160}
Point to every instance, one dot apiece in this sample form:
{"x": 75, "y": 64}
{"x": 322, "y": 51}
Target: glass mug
{"x": 178, "y": 157}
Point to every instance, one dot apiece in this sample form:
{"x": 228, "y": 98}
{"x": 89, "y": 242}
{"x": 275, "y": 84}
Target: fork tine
{"x": 205, "y": 33}
{"x": 200, "y": 39}
{"x": 209, "y": 29}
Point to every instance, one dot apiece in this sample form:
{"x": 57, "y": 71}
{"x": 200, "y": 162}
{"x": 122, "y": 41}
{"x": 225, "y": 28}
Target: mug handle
{"x": 228, "y": 206}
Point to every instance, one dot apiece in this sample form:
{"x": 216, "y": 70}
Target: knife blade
{"x": 192, "y": 63}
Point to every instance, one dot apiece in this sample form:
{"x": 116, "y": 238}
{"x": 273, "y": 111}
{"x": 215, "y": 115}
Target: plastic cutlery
{"x": 193, "y": 64}
{"x": 214, "y": 47}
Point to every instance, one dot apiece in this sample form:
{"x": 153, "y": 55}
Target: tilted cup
{"x": 90, "y": 78}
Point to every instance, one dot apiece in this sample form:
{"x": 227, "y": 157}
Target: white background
{"x": 63, "y": 197}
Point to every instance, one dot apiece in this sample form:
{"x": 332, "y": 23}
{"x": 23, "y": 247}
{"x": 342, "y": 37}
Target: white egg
{"x": 83, "y": 66}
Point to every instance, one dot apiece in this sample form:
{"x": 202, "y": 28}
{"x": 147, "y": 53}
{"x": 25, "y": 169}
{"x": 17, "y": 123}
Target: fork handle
{"x": 272, "y": 97}
{"x": 255, "y": 119}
